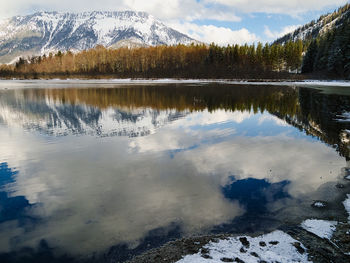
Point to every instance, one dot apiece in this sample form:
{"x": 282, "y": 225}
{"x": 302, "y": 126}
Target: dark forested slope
{"x": 330, "y": 53}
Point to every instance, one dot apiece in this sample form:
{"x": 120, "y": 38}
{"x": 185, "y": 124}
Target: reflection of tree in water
{"x": 78, "y": 108}
{"x": 324, "y": 111}
{"x": 62, "y": 111}
{"x": 319, "y": 116}
{"x": 178, "y": 97}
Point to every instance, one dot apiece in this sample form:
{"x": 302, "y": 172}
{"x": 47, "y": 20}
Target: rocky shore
{"x": 311, "y": 241}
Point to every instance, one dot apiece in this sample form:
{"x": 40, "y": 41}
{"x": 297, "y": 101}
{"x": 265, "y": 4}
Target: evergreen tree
{"x": 310, "y": 57}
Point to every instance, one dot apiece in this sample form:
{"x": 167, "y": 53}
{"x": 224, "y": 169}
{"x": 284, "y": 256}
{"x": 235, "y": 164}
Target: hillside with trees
{"x": 328, "y": 45}
{"x": 317, "y": 28}
{"x": 329, "y": 54}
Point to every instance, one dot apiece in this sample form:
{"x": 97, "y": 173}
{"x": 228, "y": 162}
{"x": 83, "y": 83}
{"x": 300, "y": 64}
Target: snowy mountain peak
{"x": 45, "y": 32}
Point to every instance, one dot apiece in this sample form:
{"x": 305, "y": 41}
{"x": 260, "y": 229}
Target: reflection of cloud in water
{"x": 306, "y": 164}
{"x": 173, "y": 137}
{"x": 280, "y": 157}
{"x": 99, "y": 194}
{"x": 215, "y": 117}
{"x": 93, "y": 199}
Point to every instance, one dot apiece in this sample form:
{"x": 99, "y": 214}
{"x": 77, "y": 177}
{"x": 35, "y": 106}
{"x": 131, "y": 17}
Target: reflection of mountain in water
{"x": 139, "y": 110}
{"x": 58, "y": 118}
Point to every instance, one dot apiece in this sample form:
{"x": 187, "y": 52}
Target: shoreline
{"x": 210, "y": 248}
{"x": 279, "y": 82}
{"x": 311, "y": 240}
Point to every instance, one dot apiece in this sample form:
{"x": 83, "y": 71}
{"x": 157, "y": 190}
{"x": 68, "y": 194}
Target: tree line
{"x": 194, "y": 61}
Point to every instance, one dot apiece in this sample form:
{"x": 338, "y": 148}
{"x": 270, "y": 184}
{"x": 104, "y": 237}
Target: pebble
{"x": 244, "y": 241}
{"x": 226, "y": 259}
{"x": 262, "y": 244}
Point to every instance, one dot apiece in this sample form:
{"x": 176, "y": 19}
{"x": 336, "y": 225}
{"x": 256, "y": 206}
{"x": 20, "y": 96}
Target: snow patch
{"x": 273, "y": 247}
{"x": 321, "y": 228}
{"x": 176, "y": 81}
{"x": 319, "y": 204}
{"x": 346, "y": 204}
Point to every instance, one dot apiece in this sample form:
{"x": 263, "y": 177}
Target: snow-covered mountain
{"x": 319, "y": 27}
{"x": 46, "y": 32}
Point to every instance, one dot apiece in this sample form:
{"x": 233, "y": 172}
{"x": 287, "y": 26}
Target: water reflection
{"x": 162, "y": 161}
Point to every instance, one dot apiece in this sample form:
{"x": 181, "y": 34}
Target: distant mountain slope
{"x": 46, "y": 32}
{"x": 318, "y": 28}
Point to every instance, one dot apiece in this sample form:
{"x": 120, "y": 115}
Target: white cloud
{"x": 276, "y": 34}
{"x": 163, "y": 9}
{"x": 292, "y": 7}
{"x": 173, "y": 9}
{"x": 218, "y": 35}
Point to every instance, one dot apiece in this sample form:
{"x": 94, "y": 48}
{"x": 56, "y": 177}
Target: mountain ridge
{"x": 44, "y": 32}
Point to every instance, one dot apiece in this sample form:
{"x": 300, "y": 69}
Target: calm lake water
{"x": 101, "y": 172}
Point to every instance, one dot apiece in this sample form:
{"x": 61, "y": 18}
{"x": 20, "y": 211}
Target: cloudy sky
{"x": 220, "y": 21}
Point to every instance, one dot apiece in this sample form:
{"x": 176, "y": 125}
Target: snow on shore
{"x": 346, "y": 204}
{"x": 273, "y": 247}
{"x": 178, "y": 81}
{"x": 321, "y": 228}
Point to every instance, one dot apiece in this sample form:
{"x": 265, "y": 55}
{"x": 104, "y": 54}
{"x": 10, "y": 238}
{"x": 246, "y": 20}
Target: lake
{"x": 101, "y": 171}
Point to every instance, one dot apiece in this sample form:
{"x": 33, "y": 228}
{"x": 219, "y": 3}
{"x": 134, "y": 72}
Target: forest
{"x": 194, "y": 61}
{"x": 329, "y": 54}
